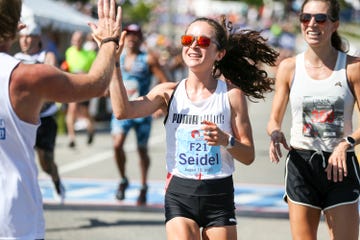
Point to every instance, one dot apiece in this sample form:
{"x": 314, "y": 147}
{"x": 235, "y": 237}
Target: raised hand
{"x": 109, "y": 24}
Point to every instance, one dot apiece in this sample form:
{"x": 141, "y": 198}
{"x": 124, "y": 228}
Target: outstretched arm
{"x": 142, "y": 106}
{"x": 32, "y": 85}
{"x": 156, "y": 99}
{"x": 156, "y": 69}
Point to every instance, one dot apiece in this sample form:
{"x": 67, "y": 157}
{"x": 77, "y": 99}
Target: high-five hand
{"x": 109, "y": 24}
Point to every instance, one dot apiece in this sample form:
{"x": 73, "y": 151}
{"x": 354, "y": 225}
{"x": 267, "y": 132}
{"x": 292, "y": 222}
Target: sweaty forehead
{"x": 200, "y": 28}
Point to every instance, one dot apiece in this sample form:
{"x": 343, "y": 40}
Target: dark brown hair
{"x": 10, "y": 12}
{"x": 246, "y": 51}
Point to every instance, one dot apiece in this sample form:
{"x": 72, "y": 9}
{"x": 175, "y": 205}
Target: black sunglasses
{"x": 320, "y": 18}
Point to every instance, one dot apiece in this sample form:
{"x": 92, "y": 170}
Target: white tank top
{"x": 21, "y": 210}
{"x": 321, "y": 109}
{"x": 188, "y": 155}
{"x": 31, "y": 59}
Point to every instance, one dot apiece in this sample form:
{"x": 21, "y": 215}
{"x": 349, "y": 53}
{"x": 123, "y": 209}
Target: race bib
{"x": 132, "y": 88}
{"x": 194, "y": 156}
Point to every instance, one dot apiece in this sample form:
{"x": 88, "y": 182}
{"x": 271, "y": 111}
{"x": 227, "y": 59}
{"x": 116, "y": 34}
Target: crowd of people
{"x": 205, "y": 114}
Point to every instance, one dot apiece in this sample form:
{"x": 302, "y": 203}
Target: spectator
{"x": 79, "y": 60}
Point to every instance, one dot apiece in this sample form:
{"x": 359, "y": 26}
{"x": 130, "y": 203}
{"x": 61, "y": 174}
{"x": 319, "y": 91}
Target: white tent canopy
{"x": 55, "y": 15}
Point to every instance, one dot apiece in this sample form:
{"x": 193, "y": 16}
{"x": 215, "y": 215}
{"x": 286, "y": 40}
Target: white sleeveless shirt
{"x": 188, "y": 155}
{"x": 321, "y": 109}
{"x": 31, "y": 59}
{"x": 21, "y": 210}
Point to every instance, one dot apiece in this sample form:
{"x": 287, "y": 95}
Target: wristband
{"x": 111, "y": 39}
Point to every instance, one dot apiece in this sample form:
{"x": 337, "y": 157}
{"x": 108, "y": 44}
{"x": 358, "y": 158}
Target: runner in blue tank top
{"x": 138, "y": 68}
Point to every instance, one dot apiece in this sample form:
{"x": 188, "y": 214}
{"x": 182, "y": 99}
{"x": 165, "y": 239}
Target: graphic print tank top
{"x": 321, "y": 109}
{"x": 188, "y": 155}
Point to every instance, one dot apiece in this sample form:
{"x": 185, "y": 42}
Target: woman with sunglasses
{"x": 322, "y": 85}
{"x": 207, "y": 125}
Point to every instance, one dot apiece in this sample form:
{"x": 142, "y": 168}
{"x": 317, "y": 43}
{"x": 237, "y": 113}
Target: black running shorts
{"x": 307, "y": 184}
{"x": 46, "y": 134}
{"x": 208, "y": 202}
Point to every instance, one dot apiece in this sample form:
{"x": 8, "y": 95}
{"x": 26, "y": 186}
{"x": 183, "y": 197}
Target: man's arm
{"x": 156, "y": 69}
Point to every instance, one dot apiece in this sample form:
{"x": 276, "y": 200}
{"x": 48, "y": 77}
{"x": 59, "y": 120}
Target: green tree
{"x": 133, "y": 10}
{"x": 137, "y": 11}
{"x": 257, "y": 3}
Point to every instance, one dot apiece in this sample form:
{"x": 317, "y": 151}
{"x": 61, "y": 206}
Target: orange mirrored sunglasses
{"x": 201, "y": 41}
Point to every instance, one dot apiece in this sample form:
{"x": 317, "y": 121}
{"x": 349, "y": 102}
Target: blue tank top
{"x": 137, "y": 80}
